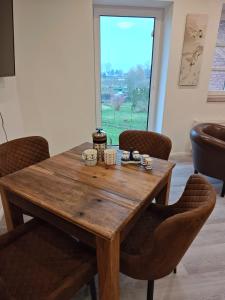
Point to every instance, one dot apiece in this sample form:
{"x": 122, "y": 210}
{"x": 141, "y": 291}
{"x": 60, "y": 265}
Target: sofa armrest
{"x": 207, "y": 140}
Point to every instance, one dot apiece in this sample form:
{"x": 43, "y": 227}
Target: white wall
{"x": 184, "y": 105}
{"x": 10, "y": 109}
{"x": 55, "y": 69}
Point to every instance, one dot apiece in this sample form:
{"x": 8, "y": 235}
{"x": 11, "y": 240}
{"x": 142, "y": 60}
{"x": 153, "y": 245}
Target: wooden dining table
{"x": 99, "y": 205}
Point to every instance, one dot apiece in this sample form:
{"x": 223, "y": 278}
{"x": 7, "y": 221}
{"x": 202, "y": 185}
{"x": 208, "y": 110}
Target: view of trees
{"x": 126, "y": 50}
{"x": 125, "y": 99}
{"x": 133, "y": 87}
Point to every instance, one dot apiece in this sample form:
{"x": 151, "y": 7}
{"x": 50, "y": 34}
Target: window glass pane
{"x": 221, "y": 33}
{"x": 217, "y": 81}
{"x": 126, "y": 45}
{"x": 219, "y": 57}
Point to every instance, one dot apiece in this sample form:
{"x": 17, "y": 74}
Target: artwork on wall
{"x": 194, "y": 39}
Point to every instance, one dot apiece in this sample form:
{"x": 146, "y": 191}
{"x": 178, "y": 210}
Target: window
{"x": 217, "y": 80}
{"x": 125, "y": 46}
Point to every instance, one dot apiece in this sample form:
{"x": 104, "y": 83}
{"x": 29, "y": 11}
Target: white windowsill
{"x": 215, "y": 96}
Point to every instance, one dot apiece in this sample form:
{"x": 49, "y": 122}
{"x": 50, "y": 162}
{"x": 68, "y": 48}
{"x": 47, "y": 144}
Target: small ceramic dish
{"x": 90, "y": 162}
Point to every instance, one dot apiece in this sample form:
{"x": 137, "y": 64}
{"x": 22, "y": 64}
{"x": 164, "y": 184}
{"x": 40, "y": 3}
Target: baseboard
{"x": 174, "y": 155}
{"x": 1, "y": 213}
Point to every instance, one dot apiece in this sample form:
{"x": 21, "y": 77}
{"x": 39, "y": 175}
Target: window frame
{"x": 218, "y": 96}
{"x": 158, "y": 14}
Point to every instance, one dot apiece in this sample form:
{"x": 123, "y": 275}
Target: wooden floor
{"x": 201, "y": 274}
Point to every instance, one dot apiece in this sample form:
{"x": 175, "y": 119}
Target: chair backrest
{"x": 4, "y": 293}
{"x": 208, "y": 149}
{"x": 20, "y": 153}
{"x": 146, "y": 142}
{"x": 173, "y": 236}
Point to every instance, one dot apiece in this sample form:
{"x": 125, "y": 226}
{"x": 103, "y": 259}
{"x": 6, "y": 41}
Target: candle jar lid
{"x": 99, "y": 136}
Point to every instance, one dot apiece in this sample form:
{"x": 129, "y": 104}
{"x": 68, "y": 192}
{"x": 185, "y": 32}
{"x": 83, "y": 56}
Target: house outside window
{"x": 217, "y": 79}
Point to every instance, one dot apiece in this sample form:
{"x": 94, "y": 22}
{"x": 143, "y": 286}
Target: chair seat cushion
{"x": 139, "y": 239}
{"x": 44, "y": 263}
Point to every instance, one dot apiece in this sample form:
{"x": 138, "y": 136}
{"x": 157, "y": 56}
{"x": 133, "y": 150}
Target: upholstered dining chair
{"x": 146, "y": 142}
{"x": 21, "y": 153}
{"x": 18, "y": 154}
{"x": 158, "y": 241}
{"x": 40, "y": 262}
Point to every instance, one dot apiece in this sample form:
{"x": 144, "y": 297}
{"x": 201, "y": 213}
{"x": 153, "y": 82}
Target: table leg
{"x": 108, "y": 257}
{"x": 163, "y": 197}
{"x": 13, "y": 214}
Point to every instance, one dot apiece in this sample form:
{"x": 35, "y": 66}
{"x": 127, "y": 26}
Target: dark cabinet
{"x": 7, "y": 57}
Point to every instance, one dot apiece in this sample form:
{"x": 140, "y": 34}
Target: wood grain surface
{"x": 98, "y": 199}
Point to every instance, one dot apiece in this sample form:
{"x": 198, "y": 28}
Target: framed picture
{"x": 193, "y": 47}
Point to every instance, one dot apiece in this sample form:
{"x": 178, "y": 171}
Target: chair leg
{"x": 175, "y": 271}
{"x": 93, "y": 289}
{"x": 196, "y": 172}
{"x": 150, "y": 290}
{"x": 223, "y": 190}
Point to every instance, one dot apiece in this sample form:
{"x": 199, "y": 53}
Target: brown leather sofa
{"x": 208, "y": 149}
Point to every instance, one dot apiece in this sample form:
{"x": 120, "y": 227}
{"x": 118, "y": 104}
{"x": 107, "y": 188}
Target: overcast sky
{"x": 125, "y": 41}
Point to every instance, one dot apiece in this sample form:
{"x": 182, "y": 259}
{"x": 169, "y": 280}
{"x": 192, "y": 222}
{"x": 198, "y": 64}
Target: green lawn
{"x": 114, "y": 122}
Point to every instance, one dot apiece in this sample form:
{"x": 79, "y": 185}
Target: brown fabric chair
{"x": 18, "y": 154}
{"x": 208, "y": 150}
{"x": 158, "y": 241}
{"x": 21, "y": 153}
{"x": 40, "y": 262}
{"x": 146, "y": 142}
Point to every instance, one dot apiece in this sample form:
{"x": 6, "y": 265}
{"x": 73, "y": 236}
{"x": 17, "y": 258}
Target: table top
{"x": 98, "y": 199}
